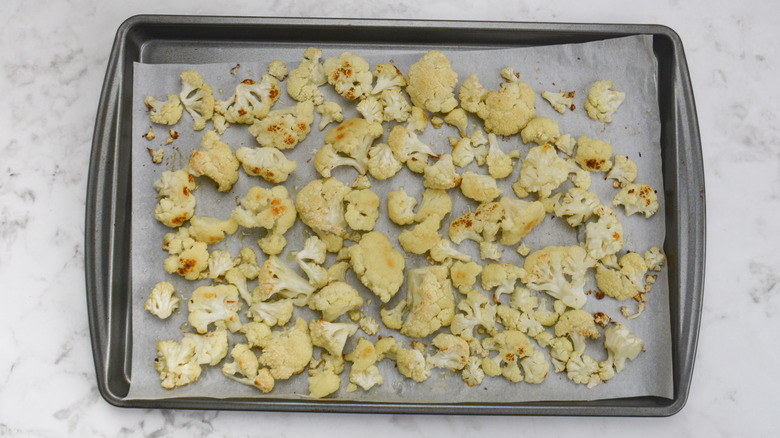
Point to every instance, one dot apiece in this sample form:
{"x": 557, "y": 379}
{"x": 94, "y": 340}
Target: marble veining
{"x": 51, "y": 71}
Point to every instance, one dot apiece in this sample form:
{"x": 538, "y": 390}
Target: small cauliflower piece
{"x": 535, "y": 367}
{"x": 511, "y": 345}
{"x": 422, "y": 237}
{"x": 578, "y": 325}
{"x": 444, "y": 253}
{"x": 164, "y": 113}
{"x": 441, "y": 175}
{"x": 621, "y": 344}
{"x": 593, "y": 155}
{"x": 257, "y": 334}
{"x": 363, "y": 371}
{"x": 162, "y": 301}
{"x": 603, "y": 237}
{"x": 211, "y": 230}
{"x": 310, "y": 259}
{"x": 331, "y": 336}
{"x": 378, "y": 265}
{"x": 382, "y": 163}
{"x": 431, "y": 83}
{"x": 350, "y": 75}
{"x": 320, "y": 205}
{"x": 576, "y": 206}
{"x": 471, "y": 93}
{"x": 394, "y": 318}
{"x": 371, "y": 110}
{"x": 434, "y": 202}
{"x": 560, "y": 272}
{"x": 245, "y": 369}
{"x": 395, "y": 107}
{"x": 177, "y": 202}
{"x": 541, "y": 130}
{"x": 304, "y": 81}
{"x": 508, "y": 110}
{"x": 623, "y": 172}
{"x": 430, "y": 301}
{"x": 187, "y": 257}
{"x": 408, "y": 149}
{"x": 545, "y": 316}
{"x": 288, "y": 352}
{"x": 464, "y": 275}
{"x": 459, "y": 119}
{"x": 472, "y": 372}
{"x": 387, "y": 77}
{"x": 220, "y": 261}
{"x": 464, "y": 152}
{"x": 637, "y": 198}
{"x": 250, "y": 100}
{"x": 499, "y": 164}
{"x": 565, "y": 144}
{"x": 277, "y": 69}
{"x": 284, "y": 128}
{"x": 417, "y": 121}
{"x": 560, "y": 101}
{"x": 453, "y": 352}
{"x": 272, "y": 313}
{"x": 625, "y": 283}
{"x": 481, "y": 188}
{"x": 519, "y": 218}
{"x": 473, "y": 312}
{"x": 502, "y": 277}
{"x": 654, "y": 258}
{"x": 215, "y": 160}
{"x": 323, "y": 380}
{"x": 369, "y": 325}
{"x": 197, "y": 98}
{"x": 410, "y": 362}
{"x": 179, "y": 362}
{"x": 353, "y": 138}
{"x": 400, "y": 207}
{"x": 266, "y": 162}
{"x": 218, "y": 305}
{"x": 270, "y": 209}
{"x": 157, "y": 156}
{"x": 603, "y": 101}
{"x": 328, "y": 159}
{"x": 334, "y": 300}
{"x": 362, "y": 209}
{"x": 330, "y": 112}
{"x": 276, "y": 278}
{"x": 542, "y": 172}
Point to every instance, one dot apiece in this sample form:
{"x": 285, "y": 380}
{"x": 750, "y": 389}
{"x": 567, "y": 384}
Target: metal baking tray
{"x": 189, "y": 39}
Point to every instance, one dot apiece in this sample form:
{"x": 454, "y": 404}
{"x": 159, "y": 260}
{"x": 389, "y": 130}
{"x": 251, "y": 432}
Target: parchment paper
{"x": 635, "y": 132}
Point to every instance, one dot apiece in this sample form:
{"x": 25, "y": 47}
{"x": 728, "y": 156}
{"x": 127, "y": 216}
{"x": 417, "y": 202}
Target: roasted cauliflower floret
{"x": 481, "y": 188}
{"x": 272, "y": 313}
{"x": 266, "y": 162}
{"x": 542, "y": 172}
{"x": 560, "y": 101}
{"x": 453, "y": 352}
{"x": 541, "y": 130}
{"x": 304, "y": 81}
{"x": 320, "y": 205}
{"x": 211, "y": 230}
{"x": 349, "y": 74}
{"x": 331, "y": 336}
{"x": 459, "y": 119}
{"x": 471, "y": 93}
{"x": 444, "y": 253}
{"x": 576, "y": 206}
{"x": 654, "y": 258}
{"x": 430, "y": 301}
{"x": 464, "y": 275}
{"x": 578, "y": 325}
{"x": 353, "y": 138}
{"x": 593, "y": 155}
{"x": 499, "y": 164}
{"x": 177, "y": 202}
{"x": 623, "y": 172}
{"x": 625, "y": 283}
{"x": 637, "y": 198}
{"x": 245, "y": 369}
{"x": 179, "y": 362}
{"x": 422, "y": 237}
{"x": 519, "y": 218}
{"x": 431, "y": 83}
{"x": 164, "y": 113}
{"x": 378, "y": 265}
{"x": 218, "y": 305}
{"x": 276, "y": 278}
{"x": 288, "y": 352}
{"x": 362, "y": 209}
{"x": 277, "y": 69}
{"x": 187, "y": 257}
{"x": 508, "y": 110}
{"x": 371, "y": 110}
{"x": 603, "y": 237}
{"x": 284, "y": 128}
{"x": 387, "y": 77}
{"x": 162, "y": 301}
{"x": 603, "y": 101}
{"x": 197, "y": 98}
{"x": 621, "y": 344}
{"x": 408, "y": 149}
{"x": 560, "y": 272}
{"x": 434, "y": 202}
{"x": 512, "y": 346}
{"x": 335, "y": 299}
{"x": 330, "y": 112}
{"x": 441, "y": 175}
{"x": 250, "y": 100}
{"x": 270, "y": 209}
{"x": 502, "y": 278}
{"x": 215, "y": 160}
{"x": 475, "y": 311}
{"x": 400, "y": 207}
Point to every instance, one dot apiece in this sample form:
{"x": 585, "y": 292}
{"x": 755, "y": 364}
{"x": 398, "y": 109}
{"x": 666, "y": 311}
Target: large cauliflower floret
{"x": 519, "y": 218}
{"x": 310, "y": 259}
{"x": 499, "y": 164}
{"x": 623, "y": 172}
{"x": 270, "y": 209}
{"x": 400, "y": 207}
{"x": 434, "y": 202}
{"x": 542, "y": 172}
{"x": 593, "y": 155}
{"x": 502, "y": 277}
{"x": 177, "y": 202}
{"x": 349, "y": 74}
{"x": 541, "y": 130}
{"x": 621, "y": 344}
{"x": 602, "y": 101}
{"x": 278, "y": 278}
{"x": 560, "y": 101}
{"x": 331, "y": 336}
{"x": 481, "y": 188}
{"x": 422, "y": 237}
{"x": 453, "y": 352}
{"x": 162, "y": 301}
{"x": 387, "y": 77}
{"x": 464, "y": 275}
{"x": 637, "y": 198}
{"x": 576, "y": 206}
{"x": 215, "y": 160}
{"x": 362, "y": 209}
{"x": 605, "y": 236}
{"x": 508, "y": 110}
{"x": 211, "y": 230}
{"x": 268, "y": 163}
{"x": 335, "y": 299}
{"x": 187, "y": 257}
{"x": 330, "y": 112}
{"x": 441, "y": 175}
{"x": 218, "y": 305}
{"x": 197, "y": 98}
{"x": 250, "y": 100}
{"x": 480, "y": 226}
{"x": 560, "y": 272}
{"x": 272, "y": 313}
{"x": 408, "y": 149}
{"x": 624, "y": 283}
{"x": 475, "y": 311}
{"x": 179, "y": 362}
{"x": 245, "y": 369}
{"x": 578, "y": 325}
{"x": 320, "y": 205}
{"x": 378, "y": 265}
{"x": 164, "y": 113}
{"x": 288, "y": 352}
{"x": 284, "y": 128}
{"x": 512, "y": 346}
{"x": 353, "y": 138}
{"x": 430, "y": 301}
{"x": 431, "y": 83}
{"x": 304, "y": 80}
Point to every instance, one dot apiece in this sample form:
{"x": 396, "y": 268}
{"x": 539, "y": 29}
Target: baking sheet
{"x": 628, "y": 62}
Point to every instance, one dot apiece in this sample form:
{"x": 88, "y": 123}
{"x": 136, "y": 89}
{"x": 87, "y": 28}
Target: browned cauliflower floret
{"x": 626, "y": 283}
{"x": 270, "y": 209}
{"x": 349, "y": 74}
{"x": 520, "y": 217}
{"x": 215, "y": 160}
{"x": 250, "y": 100}
{"x": 542, "y": 172}
{"x": 188, "y": 257}
{"x": 164, "y": 113}
{"x": 177, "y": 202}
{"x": 335, "y": 299}
{"x": 378, "y": 265}
{"x": 431, "y": 83}
{"x": 637, "y": 198}
{"x": 284, "y": 128}
{"x": 578, "y": 325}
{"x": 593, "y": 155}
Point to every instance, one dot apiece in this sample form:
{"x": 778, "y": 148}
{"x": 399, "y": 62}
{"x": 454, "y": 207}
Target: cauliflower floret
{"x": 179, "y": 362}
{"x": 545, "y": 316}
{"x": 565, "y": 144}
{"x": 369, "y": 325}
{"x": 187, "y": 257}
{"x": 378, "y": 265}
{"x": 328, "y": 159}
{"x": 394, "y": 318}
{"x": 422, "y": 237}
{"x": 197, "y": 98}
{"x": 471, "y": 93}
{"x": 582, "y": 369}
{"x": 576, "y": 206}
{"x": 535, "y": 367}
{"x": 284, "y": 128}
{"x": 266, "y": 162}
{"x": 542, "y": 172}
{"x": 472, "y": 372}
{"x": 408, "y": 149}
{"x": 541, "y": 130}
{"x": 434, "y": 202}
{"x": 410, "y": 362}
{"x": 400, "y": 207}
{"x": 363, "y": 372}
{"x": 489, "y": 251}
{"x": 323, "y": 380}
{"x": 626, "y": 283}
{"x": 593, "y": 155}
{"x": 430, "y": 301}
{"x": 441, "y": 175}
{"x": 654, "y": 258}
{"x": 162, "y": 301}
{"x": 277, "y": 69}
{"x": 335, "y": 299}
{"x": 354, "y": 137}
{"x": 431, "y": 83}
{"x": 444, "y": 253}
{"x": 499, "y": 164}
{"x": 481, "y": 188}
{"x": 304, "y": 80}
{"x": 272, "y": 313}
{"x": 214, "y": 304}
{"x": 464, "y": 152}
{"x": 523, "y": 300}
{"x": 623, "y": 172}
{"x": 270, "y": 209}
{"x": 511, "y": 345}
{"x": 453, "y": 352}
{"x": 215, "y": 160}
{"x": 395, "y": 107}
{"x": 362, "y": 209}
{"x": 245, "y": 369}
{"x": 459, "y": 119}
{"x": 331, "y": 336}
{"x": 277, "y": 278}
{"x": 621, "y": 344}
{"x": 257, "y": 334}
{"x": 246, "y": 269}
{"x": 417, "y": 121}
{"x": 164, "y": 113}
{"x": 560, "y": 272}
{"x": 560, "y": 101}
{"x": 211, "y": 230}
{"x": 330, "y": 112}
{"x": 387, "y": 77}
{"x": 288, "y": 352}
{"x": 250, "y": 100}
{"x": 220, "y": 261}
{"x": 508, "y": 110}
{"x": 560, "y": 352}
{"x": 371, "y": 110}
{"x": 578, "y": 325}
{"x": 637, "y": 198}
{"x": 605, "y": 236}
{"x": 519, "y": 218}
{"x": 469, "y": 226}
{"x": 177, "y": 202}
{"x": 350, "y": 75}
{"x": 313, "y": 250}
{"x": 474, "y": 311}
{"x": 502, "y": 277}
{"x": 220, "y": 123}
{"x": 602, "y": 101}
{"x": 320, "y": 205}
{"x": 464, "y": 275}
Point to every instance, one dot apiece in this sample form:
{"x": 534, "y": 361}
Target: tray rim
{"x": 100, "y": 230}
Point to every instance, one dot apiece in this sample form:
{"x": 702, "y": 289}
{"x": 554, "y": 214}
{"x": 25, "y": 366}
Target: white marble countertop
{"x": 54, "y": 59}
